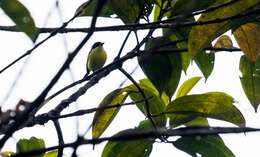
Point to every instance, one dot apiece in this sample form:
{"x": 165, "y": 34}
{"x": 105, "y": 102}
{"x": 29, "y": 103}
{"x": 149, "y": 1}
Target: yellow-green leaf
{"x": 206, "y": 146}
{"x": 135, "y": 148}
{"x": 202, "y": 35}
{"x": 250, "y": 80}
{"x": 223, "y": 42}
{"x": 51, "y": 154}
{"x": 21, "y": 17}
{"x": 248, "y": 39}
{"x": 104, "y": 117}
{"x": 187, "y": 86}
{"x": 6, "y": 154}
{"x": 156, "y": 105}
{"x": 33, "y": 143}
{"x": 213, "y": 105}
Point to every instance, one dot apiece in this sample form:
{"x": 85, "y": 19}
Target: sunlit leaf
{"x": 163, "y": 70}
{"x": 156, "y": 105}
{"x": 135, "y": 148}
{"x": 215, "y": 105}
{"x": 250, "y": 80}
{"x": 187, "y": 86}
{"x": 188, "y": 6}
{"x": 204, "y": 146}
{"x": 89, "y": 10}
{"x": 248, "y": 39}
{"x": 104, "y": 117}
{"x": 21, "y": 17}
{"x": 33, "y": 143}
{"x": 223, "y": 42}
{"x": 202, "y": 35}
{"x": 205, "y": 62}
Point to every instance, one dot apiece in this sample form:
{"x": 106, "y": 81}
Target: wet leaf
{"x": 135, "y": 148}
{"x": 215, "y": 105}
{"x": 104, "y": 117}
{"x": 205, "y": 146}
{"x": 187, "y": 86}
{"x": 248, "y": 39}
{"x": 202, "y": 35}
{"x": 21, "y": 17}
{"x": 33, "y": 143}
{"x": 250, "y": 80}
{"x": 223, "y": 42}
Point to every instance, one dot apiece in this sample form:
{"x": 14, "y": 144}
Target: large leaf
{"x": 135, "y": 148}
{"x": 202, "y": 35}
{"x": 104, "y": 117}
{"x": 188, "y": 6}
{"x": 213, "y": 105}
{"x": 156, "y": 105}
{"x": 248, "y": 39}
{"x": 205, "y": 62}
{"x": 204, "y": 146}
{"x": 21, "y": 17}
{"x": 89, "y": 10}
{"x": 250, "y": 80}
{"x": 129, "y": 10}
{"x": 187, "y": 86}
{"x": 163, "y": 70}
{"x": 33, "y": 143}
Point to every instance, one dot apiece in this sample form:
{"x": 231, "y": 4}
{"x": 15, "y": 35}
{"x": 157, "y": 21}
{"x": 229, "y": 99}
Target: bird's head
{"x": 97, "y": 44}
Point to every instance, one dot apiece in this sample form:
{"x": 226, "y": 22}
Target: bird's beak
{"x": 102, "y": 44}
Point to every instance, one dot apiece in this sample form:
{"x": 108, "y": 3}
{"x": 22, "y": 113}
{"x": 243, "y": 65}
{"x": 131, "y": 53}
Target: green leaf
{"x": 202, "y": 35}
{"x": 51, "y": 154}
{"x": 205, "y": 62}
{"x": 188, "y": 6}
{"x": 156, "y": 105}
{"x": 135, "y": 148}
{"x": 250, "y": 80}
{"x": 89, "y": 10}
{"x": 104, "y": 117}
{"x": 205, "y": 146}
{"x": 6, "y": 154}
{"x": 129, "y": 10}
{"x": 163, "y": 70}
{"x": 187, "y": 86}
{"x": 215, "y": 105}
{"x": 33, "y": 143}
{"x": 248, "y": 39}
{"x": 21, "y": 17}
{"x": 157, "y": 8}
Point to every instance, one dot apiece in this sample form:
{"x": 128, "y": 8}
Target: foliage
{"x": 185, "y": 38}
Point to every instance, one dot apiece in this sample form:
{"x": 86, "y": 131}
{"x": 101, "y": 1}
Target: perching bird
{"x": 96, "y": 57}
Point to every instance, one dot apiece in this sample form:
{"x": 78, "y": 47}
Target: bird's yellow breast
{"x": 97, "y": 59}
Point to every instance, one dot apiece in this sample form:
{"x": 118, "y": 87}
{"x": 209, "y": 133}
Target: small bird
{"x": 96, "y": 57}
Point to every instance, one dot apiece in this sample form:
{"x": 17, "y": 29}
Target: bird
{"x": 96, "y": 57}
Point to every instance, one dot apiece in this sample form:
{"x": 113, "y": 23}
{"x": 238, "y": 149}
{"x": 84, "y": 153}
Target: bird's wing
{"x": 87, "y": 63}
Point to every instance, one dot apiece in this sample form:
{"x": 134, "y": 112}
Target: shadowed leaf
{"x": 205, "y": 146}
{"x": 250, "y": 80}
